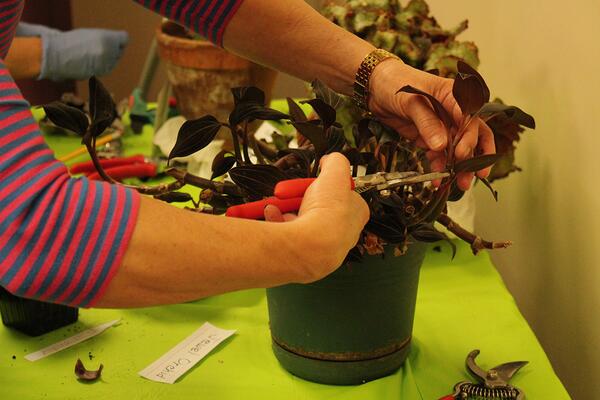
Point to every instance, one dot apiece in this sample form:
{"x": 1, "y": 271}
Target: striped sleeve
{"x": 61, "y": 239}
{"x": 208, "y": 18}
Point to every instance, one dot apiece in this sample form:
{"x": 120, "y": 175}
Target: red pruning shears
{"x": 288, "y": 194}
{"x": 118, "y": 168}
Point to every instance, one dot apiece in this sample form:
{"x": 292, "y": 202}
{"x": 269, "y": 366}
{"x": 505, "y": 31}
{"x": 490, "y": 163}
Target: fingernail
{"x": 437, "y": 142}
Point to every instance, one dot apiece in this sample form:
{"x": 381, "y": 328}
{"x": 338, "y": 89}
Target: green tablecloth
{"x": 462, "y": 305}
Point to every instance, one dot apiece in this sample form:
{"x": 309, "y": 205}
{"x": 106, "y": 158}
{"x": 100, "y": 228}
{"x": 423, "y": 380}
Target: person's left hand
{"x": 413, "y": 117}
{"x": 76, "y": 54}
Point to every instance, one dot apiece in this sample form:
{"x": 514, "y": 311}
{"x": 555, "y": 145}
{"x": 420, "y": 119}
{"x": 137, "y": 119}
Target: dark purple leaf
{"x": 427, "y": 233}
{"x": 327, "y": 95}
{"x": 249, "y": 111}
{"x": 295, "y": 111}
{"x": 335, "y": 140}
{"x": 87, "y": 375}
{"x": 314, "y": 133}
{"x": 304, "y": 157}
{"x": 437, "y": 106}
{"x": 258, "y": 180}
{"x": 466, "y": 69}
{"x": 102, "y": 107}
{"x": 325, "y": 112}
{"x": 434, "y": 71}
{"x": 434, "y": 207}
{"x": 195, "y": 135}
{"x": 489, "y": 186}
{"x": 363, "y": 133}
{"x": 222, "y": 163}
{"x": 476, "y": 163}
{"x": 468, "y": 93}
{"x": 513, "y": 113}
{"x": 174, "y": 197}
{"x": 67, "y": 117}
{"x": 245, "y": 94}
{"x": 455, "y": 192}
{"x": 386, "y": 228}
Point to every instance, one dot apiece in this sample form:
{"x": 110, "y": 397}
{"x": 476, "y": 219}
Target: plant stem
{"x": 236, "y": 144}
{"x": 476, "y": 242}
{"x": 244, "y": 134}
{"x": 91, "y": 147}
{"x": 218, "y": 187}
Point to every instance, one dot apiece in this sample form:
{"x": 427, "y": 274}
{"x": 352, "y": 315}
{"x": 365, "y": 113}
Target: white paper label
{"x": 186, "y": 354}
{"x": 265, "y": 131}
{"x": 70, "y": 341}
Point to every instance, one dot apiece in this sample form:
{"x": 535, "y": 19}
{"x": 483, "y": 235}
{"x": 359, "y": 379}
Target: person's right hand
{"x": 331, "y": 216}
{"x": 76, "y": 54}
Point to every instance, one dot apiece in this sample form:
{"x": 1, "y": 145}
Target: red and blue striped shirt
{"x": 62, "y": 239}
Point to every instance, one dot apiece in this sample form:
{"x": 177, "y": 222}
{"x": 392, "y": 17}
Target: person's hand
{"x": 413, "y": 117}
{"x": 76, "y": 54}
{"x": 331, "y": 216}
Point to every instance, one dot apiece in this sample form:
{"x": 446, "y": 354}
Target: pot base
{"x": 340, "y": 372}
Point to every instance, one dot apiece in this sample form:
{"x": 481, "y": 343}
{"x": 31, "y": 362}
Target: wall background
{"x": 545, "y": 58}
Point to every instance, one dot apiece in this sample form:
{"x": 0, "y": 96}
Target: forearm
{"x": 292, "y": 37}
{"x": 176, "y": 256}
{"x": 24, "y": 58}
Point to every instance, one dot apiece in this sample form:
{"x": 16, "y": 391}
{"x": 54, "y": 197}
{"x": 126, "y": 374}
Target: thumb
{"x": 335, "y": 172}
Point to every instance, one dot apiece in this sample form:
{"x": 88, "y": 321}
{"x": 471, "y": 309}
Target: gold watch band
{"x": 363, "y": 75}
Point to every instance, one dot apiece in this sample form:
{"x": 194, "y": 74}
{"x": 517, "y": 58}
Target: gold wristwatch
{"x": 363, "y": 75}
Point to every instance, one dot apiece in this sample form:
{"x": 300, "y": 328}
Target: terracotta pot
{"x": 203, "y": 74}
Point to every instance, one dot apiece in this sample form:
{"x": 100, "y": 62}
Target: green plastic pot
{"x": 351, "y": 327}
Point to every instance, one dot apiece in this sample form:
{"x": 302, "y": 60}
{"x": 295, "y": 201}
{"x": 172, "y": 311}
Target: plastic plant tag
{"x": 186, "y": 354}
{"x": 70, "y": 341}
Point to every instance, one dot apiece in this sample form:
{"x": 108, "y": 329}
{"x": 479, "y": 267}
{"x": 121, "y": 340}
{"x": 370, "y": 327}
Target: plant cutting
{"x": 355, "y": 325}
{"x": 411, "y": 33}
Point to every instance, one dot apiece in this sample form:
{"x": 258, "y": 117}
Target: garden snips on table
{"x": 492, "y": 384}
{"x": 288, "y": 194}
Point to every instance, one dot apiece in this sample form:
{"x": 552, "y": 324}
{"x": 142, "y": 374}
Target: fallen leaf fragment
{"x": 86, "y": 375}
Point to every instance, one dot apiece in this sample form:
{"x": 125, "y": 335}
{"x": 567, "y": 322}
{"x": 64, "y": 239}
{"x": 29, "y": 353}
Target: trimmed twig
{"x": 219, "y": 187}
{"x": 476, "y": 242}
{"x": 149, "y": 190}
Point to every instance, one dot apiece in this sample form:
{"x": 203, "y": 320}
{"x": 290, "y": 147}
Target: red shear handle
{"x": 296, "y": 187}
{"x": 146, "y": 170}
{"x": 88, "y": 166}
{"x": 255, "y": 210}
{"x": 449, "y": 397}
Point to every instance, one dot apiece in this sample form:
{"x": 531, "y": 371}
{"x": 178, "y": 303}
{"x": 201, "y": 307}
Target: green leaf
{"x": 476, "y": 163}
{"x": 102, "y": 107}
{"x": 67, "y": 117}
{"x": 437, "y": 106}
{"x": 194, "y": 135}
{"x": 327, "y": 95}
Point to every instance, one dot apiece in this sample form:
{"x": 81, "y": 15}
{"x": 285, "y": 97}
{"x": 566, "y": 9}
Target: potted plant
{"x": 203, "y": 74}
{"x": 355, "y": 325}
